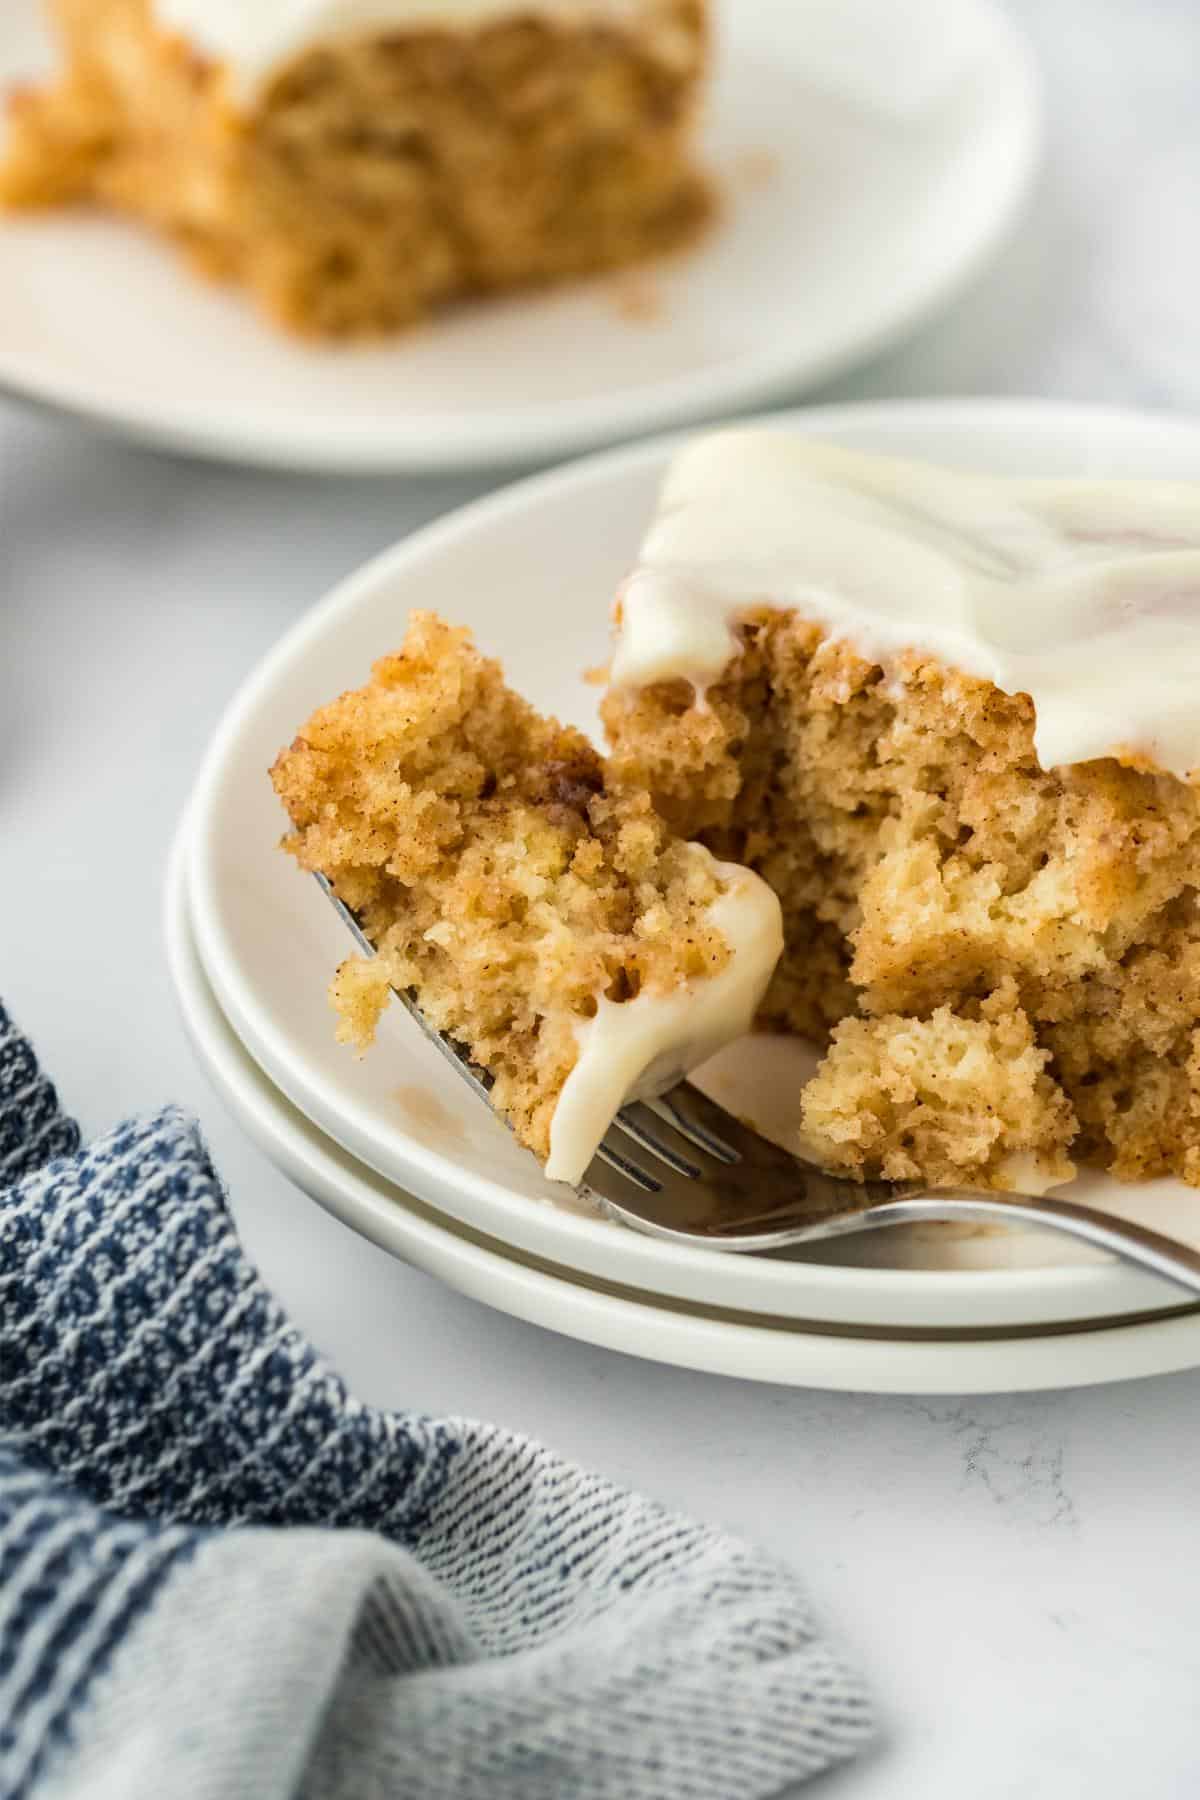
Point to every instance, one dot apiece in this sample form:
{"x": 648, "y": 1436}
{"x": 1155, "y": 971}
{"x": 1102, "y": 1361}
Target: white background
{"x": 1018, "y": 1575}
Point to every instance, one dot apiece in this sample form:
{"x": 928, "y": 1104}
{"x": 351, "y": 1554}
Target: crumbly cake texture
{"x": 496, "y": 875}
{"x": 964, "y": 908}
{"x": 375, "y": 179}
{"x": 955, "y": 1098}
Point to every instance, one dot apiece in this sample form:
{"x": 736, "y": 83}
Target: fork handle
{"x": 1136, "y": 1244}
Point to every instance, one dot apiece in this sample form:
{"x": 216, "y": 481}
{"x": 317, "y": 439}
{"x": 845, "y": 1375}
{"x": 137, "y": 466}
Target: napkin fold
{"x": 221, "y": 1575}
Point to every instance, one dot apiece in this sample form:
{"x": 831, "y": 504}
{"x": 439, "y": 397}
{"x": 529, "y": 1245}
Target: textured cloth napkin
{"x": 221, "y": 1575}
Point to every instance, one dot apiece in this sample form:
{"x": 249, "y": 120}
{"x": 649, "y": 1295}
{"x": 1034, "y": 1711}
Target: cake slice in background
{"x": 954, "y": 723}
{"x": 357, "y": 163}
{"x": 578, "y": 950}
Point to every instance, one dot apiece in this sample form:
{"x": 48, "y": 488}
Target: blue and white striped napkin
{"x": 223, "y": 1578}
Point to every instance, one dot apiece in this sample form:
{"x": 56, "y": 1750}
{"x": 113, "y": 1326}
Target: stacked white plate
{"x": 401, "y": 1150}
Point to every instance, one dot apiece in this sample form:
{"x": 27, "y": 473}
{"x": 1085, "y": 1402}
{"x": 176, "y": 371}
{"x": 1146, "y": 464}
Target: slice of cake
{"x": 953, "y": 722}
{"x": 357, "y": 165}
{"x": 559, "y": 931}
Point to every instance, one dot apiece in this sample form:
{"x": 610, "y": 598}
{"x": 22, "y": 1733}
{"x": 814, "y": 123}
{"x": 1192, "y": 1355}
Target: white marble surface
{"x": 1018, "y": 1575}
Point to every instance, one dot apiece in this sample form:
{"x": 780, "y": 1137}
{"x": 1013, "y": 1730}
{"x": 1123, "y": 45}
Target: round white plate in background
{"x": 532, "y": 570}
{"x": 790, "y": 1352}
{"x": 858, "y": 194}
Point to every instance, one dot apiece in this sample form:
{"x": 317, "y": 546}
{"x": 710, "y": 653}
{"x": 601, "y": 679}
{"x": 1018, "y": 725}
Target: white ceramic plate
{"x": 598, "y": 1313}
{"x": 866, "y": 219}
{"x": 532, "y": 570}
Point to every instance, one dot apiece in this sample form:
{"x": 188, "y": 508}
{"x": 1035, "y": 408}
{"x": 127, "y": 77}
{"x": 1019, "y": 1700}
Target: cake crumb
{"x": 639, "y": 298}
{"x": 957, "y": 1099}
{"x": 753, "y": 169}
{"x": 423, "y": 1110}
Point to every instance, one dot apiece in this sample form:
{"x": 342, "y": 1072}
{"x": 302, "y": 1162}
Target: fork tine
{"x": 635, "y": 1122}
{"x": 607, "y": 1152}
{"x": 689, "y": 1126}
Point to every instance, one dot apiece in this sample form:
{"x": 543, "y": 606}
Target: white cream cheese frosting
{"x": 636, "y": 1049}
{"x": 256, "y": 38}
{"x": 1083, "y": 594}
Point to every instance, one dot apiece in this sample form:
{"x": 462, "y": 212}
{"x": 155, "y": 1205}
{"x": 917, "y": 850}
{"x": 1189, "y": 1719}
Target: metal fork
{"x": 683, "y": 1169}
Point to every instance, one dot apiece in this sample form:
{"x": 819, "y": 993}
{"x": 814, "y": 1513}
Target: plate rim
{"x": 1083, "y": 1287}
{"x": 413, "y": 443}
{"x": 680, "y": 1336}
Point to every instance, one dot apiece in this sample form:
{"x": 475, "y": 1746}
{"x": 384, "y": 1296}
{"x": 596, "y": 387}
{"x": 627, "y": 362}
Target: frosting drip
{"x": 636, "y": 1049}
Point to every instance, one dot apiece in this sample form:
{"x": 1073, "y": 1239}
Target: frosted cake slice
{"x": 954, "y": 722}
{"x": 582, "y": 953}
{"x": 357, "y": 163}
